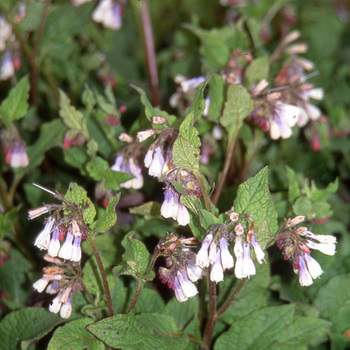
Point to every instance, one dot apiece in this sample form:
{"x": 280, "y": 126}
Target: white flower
{"x": 56, "y": 304}
{"x": 144, "y": 135}
{"x": 5, "y": 33}
{"x": 183, "y": 217}
{"x": 194, "y": 272}
{"x": 259, "y": 253}
{"x": 66, "y": 250}
{"x": 190, "y": 84}
{"x": 180, "y": 296}
{"x": 202, "y": 259}
{"x": 148, "y": 157}
{"x": 217, "y": 273}
{"x": 155, "y": 168}
{"x": 188, "y": 288}
{"x": 40, "y": 284}
{"x": 305, "y": 278}
{"x": 108, "y": 13}
{"x": 34, "y": 213}
{"x": 79, "y": 2}
{"x": 54, "y": 245}
{"x": 325, "y": 248}
{"x": 43, "y": 239}
{"x": 313, "y": 266}
{"x": 285, "y": 117}
{"x": 170, "y": 206}
{"x": 66, "y": 308}
{"x": 212, "y": 252}
{"x": 7, "y": 69}
{"x": 76, "y": 250}
{"x": 226, "y": 257}
{"x": 247, "y": 265}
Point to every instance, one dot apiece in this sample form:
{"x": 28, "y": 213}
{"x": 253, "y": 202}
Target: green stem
{"x": 227, "y": 163}
{"x": 103, "y": 273}
{"x": 140, "y": 283}
{"x": 205, "y": 194}
{"x": 138, "y": 291}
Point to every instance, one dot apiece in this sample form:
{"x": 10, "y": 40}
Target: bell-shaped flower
{"x": 109, "y": 14}
{"x": 202, "y": 259}
{"x": 43, "y": 239}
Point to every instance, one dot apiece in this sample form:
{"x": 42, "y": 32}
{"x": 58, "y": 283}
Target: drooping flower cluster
{"x": 159, "y": 161}
{"x": 296, "y": 242}
{"x": 181, "y": 270}
{"x": 287, "y": 104}
{"x": 215, "y": 249}
{"x": 129, "y": 161}
{"x": 14, "y": 148}
{"x": 60, "y": 280}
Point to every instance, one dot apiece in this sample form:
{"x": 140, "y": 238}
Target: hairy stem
{"x": 203, "y": 189}
{"x": 145, "y": 28}
{"x": 140, "y": 283}
{"x": 228, "y": 160}
{"x": 103, "y": 274}
{"x": 212, "y": 318}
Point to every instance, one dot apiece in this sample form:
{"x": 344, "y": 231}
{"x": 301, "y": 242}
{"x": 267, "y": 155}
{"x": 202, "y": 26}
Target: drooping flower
{"x": 42, "y": 241}
{"x": 7, "y": 68}
{"x": 5, "y": 33}
{"x": 14, "y": 149}
{"x": 109, "y": 14}
{"x": 127, "y": 162}
{"x": 172, "y": 208}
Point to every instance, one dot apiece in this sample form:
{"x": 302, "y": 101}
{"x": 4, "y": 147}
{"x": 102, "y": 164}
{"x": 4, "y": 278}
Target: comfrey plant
{"x": 172, "y": 216}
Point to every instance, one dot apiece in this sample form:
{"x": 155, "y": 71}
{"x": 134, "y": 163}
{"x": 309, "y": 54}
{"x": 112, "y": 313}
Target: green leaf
{"x": 51, "y": 135}
{"x": 273, "y": 328}
{"x": 293, "y": 186}
{"x": 92, "y": 277}
{"x": 182, "y": 312}
{"x": 198, "y": 104}
{"x": 216, "y": 44}
{"x": 149, "y": 301}
{"x": 144, "y": 331}
{"x": 238, "y": 105}
{"x": 13, "y": 275}
{"x": 185, "y": 154}
{"x": 109, "y": 217}
{"x": 99, "y": 170}
{"x": 189, "y": 132}
{"x": 216, "y": 93}
{"x": 153, "y": 112}
{"x": 78, "y": 195}
{"x": 148, "y": 210}
{"x": 207, "y": 219}
{"x": 15, "y": 106}
{"x": 7, "y": 221}
{"x": 33, "y": 18}
{"x": 136, "y": 251}
{"x": 302, "y": 206}
{"x": 258, "y": 70}
{"x": 76, "y": 157}
{"x": 72, "y": 118}
{"x": 252, "y": 297}
{"x": 74, "y": 336}
{"x": 332, "y": 300}
{"x": 254, "y": 198}
{"x": 28, "y": 324}
{"x": 108, "y": 105}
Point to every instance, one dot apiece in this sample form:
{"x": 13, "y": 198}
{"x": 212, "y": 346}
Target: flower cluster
{"x": 60, "y": 280}
{"x": 14, "y": 148}
{"x": 215, "y": 249}
{"x": 296, "y": 242}
{"x": 181, "y": 270}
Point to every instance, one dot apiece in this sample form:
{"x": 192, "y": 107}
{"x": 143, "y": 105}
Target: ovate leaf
{"x": 238, "y": 105}
{"x": 146, "y": 331}
{"x": 108, "y": 218}
{"x": 75, "y": 336}
{"x": 79, "y": 196}
{"x": 185, "y": 154}
{"x": 254, "y": 198}
{"x": 15, "y": 105}
{"x": 28, "y": 324}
